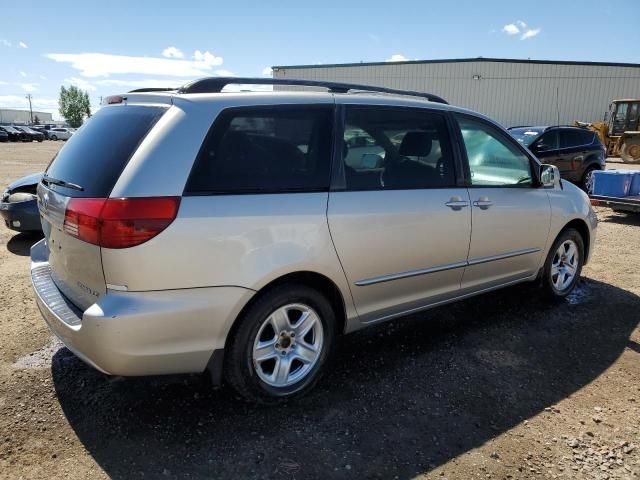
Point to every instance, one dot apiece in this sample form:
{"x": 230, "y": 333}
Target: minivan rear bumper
{"x": 139, "y": 333}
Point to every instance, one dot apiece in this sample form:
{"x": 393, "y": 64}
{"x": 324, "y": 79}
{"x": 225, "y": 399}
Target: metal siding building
{"x": 8, "y": 115}
{"x": 513, "y": 92}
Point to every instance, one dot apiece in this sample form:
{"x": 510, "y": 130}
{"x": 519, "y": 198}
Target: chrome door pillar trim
{"x": 440, "y": 268}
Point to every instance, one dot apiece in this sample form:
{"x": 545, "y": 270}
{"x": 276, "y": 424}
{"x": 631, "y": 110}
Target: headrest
{"x": 416, "y": 144}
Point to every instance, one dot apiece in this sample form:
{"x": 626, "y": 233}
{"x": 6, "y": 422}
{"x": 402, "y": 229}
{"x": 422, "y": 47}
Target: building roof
{"x": 460, "y": 60}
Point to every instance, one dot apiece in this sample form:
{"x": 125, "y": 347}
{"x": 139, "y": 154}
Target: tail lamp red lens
{"x": 119, "y": 222}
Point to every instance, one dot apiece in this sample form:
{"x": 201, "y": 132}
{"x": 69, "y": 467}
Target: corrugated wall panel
{"x": 511, "y": 93}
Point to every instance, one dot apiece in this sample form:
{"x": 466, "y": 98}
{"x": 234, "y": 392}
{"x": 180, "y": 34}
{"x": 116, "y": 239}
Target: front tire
{"x": 563, "y": 265}
{"x": 281, "y": 344}
{"x": 54, "y": 138}
{"x": 630, "y": 150}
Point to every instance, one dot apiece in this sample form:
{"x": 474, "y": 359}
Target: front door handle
{"x": 457, "y": 203}
{"x": 483, "y": 203}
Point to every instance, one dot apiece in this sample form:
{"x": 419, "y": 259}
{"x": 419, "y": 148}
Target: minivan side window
{"x": 274, "y": 149}
{"x": 391, "y": 148}
{"x": 494, "y": 160}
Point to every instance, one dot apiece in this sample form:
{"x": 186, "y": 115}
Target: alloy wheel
{"x": 564, "y": 265}
{"x": 288, "y": 345}
{"x": 588, "y": 182}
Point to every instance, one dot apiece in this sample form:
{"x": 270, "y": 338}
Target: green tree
{"x": 87, "y": 105}
{"x": 74, "y": 105}
{"x": 36, "y": 120}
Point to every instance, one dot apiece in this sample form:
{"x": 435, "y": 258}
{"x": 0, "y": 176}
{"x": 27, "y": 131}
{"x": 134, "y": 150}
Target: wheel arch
{"x": 581, "y": 227}
{"x": 314, "y": 280}
{"x": 592, "y": 161}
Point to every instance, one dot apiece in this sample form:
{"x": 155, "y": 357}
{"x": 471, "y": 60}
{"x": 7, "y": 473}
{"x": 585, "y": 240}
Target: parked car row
{"x": 38, "y": 133}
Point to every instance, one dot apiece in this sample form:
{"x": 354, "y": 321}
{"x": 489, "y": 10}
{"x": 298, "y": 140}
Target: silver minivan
{"x": 240, "y": 233}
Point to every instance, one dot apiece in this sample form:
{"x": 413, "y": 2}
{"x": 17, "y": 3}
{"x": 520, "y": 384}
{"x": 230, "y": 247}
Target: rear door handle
{"x": 483, "y": 203}
{"x": 456, "y": 203}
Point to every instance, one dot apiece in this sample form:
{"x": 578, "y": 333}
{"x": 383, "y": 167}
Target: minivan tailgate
{"x": 76, "y": 266}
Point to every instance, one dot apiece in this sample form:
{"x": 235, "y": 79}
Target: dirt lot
{"x": 500, "y": 386}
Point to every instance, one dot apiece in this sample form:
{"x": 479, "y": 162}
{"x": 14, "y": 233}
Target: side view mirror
{"x": 606, "y": 117}
{"x": 550, "y": 176}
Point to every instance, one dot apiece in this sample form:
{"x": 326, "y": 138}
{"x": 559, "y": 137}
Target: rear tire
{"x": 563, "y": 265}
{"x": 587, "y": 179}
{"x": 281, "y": 344}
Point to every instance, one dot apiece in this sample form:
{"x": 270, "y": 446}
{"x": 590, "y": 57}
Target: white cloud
{"x": 103, "y": 65}
{"x": 18, "y": 101}
{"x": 207, "y": 58}
{"x": 521, "y": 28}
{"x": 3, "y": 83}
{"x": 81, "y": 83}
{"x": 29, "y": 87}
{"x": 172, "y": 52}
{"x": 511, "y": 29}
{"x": 22, "y": 45}
{"x": 5, "y": 43}
{"x": 530, "y": 33}
{"x": 23, "y": 74}
{"x": 397, "y": 57}
{"x": 267, "y": 71}
{"x": 42, "y": 77}
{"x": 150, "y": 83}
{"x": 153, "y": 82}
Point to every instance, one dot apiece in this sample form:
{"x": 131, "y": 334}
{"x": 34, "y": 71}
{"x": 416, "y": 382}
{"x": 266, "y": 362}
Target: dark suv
{"x": 577, "y": 152}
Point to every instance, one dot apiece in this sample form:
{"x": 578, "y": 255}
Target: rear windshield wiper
{"x": 62, "y": 183}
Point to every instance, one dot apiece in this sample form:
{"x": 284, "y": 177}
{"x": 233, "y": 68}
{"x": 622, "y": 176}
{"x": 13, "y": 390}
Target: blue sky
{"x": 114, "y": 46}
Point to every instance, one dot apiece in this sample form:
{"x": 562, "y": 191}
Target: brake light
{"x": 114, "y": 99}
{"x": 119, "y": 222}
{"x": 595, "y": 202}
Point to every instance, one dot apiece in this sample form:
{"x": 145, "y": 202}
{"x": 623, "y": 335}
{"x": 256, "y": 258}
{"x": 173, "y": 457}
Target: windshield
{"x": 10, "y": 129}
{"x": 526, "y": 136}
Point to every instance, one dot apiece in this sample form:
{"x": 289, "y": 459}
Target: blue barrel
{"x": 635, "y": 184}
{"x": 612, "y": 183}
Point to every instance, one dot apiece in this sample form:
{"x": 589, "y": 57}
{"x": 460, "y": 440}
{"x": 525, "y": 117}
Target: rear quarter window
{"x": 587, "y": 137}
{"x": 272, "y": 149}
{"x": 96, "y": 155}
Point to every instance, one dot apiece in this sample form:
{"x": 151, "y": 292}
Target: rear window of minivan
{"x": 95, "y": 156}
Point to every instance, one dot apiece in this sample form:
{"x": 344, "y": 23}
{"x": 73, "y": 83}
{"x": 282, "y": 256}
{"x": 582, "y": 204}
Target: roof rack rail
{"x": 216, "y": 84}
{"x": 153, "y": 89}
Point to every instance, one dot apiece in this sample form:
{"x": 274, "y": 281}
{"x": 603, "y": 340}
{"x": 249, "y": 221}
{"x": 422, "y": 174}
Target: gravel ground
{"x": 500, "y": 386}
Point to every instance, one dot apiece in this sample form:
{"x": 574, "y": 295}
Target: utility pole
{"x": 30, "y": 109}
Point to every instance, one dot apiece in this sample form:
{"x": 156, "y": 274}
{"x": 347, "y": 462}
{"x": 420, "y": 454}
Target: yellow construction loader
{"x": 620, "y": 130}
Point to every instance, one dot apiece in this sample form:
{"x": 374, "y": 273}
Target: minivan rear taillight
{"x": 119, "y": 222}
